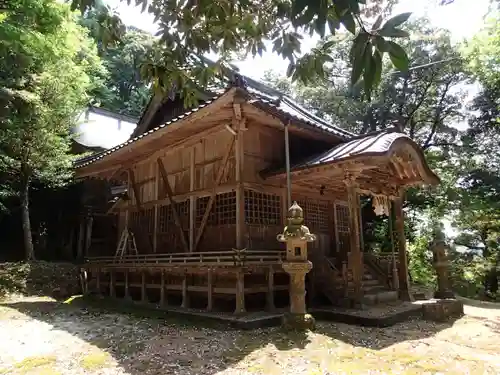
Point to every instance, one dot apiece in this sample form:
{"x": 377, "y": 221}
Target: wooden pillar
{"x": 210, "y": 290}
{"x": 404, "y": 285}
{"x": 239, "y": 127}
{"x": 240, "y": 292}
{"x": 112, "y": 284}
{"x": 162, "y": 289}
{"x": 88, "y": 237}
{"x": 81, "y": 240}
{"x": 143, "y": 287}
{"x": 336, "y": 230}
{"x": 192, "y": 198}
{"x": 98, "y": 281}
{"x": 355, "y": 258}
{"x": 287, "y": 163}
{"x": 394, "y": 268}
{"x": 270, "y": 289}
{"x": 185, "y": 295}
{"x": 156, "y": 197}
{"x": 127, "y": 293}
{"x": 360, "y": 217}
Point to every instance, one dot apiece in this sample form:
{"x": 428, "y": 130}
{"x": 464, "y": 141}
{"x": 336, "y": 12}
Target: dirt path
{"x": 39, "y": 336}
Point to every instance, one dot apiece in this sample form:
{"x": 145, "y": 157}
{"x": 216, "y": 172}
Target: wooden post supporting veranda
{"x": 270, "y": 289}
{"x": 355, "y": 258}
{"x": 210, "y": 289}
{"x": 163, "y": 300}
{"x": 144, "y": 298}
{"x": 185, "y": 295}
{"x": 404, "y": 284}
{"x": 127, "y": 293}
{"x": 111, "y": 283}
{"x": 240, "y": 292}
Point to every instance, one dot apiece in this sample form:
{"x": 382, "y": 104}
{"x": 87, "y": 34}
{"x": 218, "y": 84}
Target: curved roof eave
{"x": 382, "y": 144}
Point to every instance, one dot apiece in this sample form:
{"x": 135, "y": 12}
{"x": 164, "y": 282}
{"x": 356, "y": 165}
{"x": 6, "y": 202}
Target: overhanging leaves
{"x": 196, "y": 28}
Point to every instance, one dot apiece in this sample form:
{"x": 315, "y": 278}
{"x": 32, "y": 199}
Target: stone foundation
{"x": 440, "y": 310}
{"x": 58, "y": 280}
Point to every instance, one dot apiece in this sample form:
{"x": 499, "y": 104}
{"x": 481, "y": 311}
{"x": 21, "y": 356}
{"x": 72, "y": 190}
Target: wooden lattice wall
{"x": 263, "y": 219}
{"x": 342, "y": 227}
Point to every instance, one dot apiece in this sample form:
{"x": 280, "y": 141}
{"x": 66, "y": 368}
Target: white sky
{"x": 463, "y": 18}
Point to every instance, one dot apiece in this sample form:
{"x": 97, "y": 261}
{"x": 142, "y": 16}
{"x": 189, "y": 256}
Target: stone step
{"x": 380, "y": 297}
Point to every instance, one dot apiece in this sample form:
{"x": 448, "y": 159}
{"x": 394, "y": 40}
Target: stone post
{"x": 296, "y": 236}
{"x": 441, "y": 265}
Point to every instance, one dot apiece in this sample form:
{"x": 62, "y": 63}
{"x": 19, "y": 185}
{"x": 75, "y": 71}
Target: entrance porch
{"x": 379, "y": 167}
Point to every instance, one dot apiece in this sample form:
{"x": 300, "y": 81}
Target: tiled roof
{"x": 378, "y": 143}
{"x": 83, "y": 162}
{"x": 262, "y": 96}
{"x": 370, "y": 144}
{"x": 272, "y": 100}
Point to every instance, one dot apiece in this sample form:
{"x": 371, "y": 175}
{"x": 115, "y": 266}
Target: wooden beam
{"x": 210, "y": 203}
{"x": 192, "y": 198}
{"x": 135, "y": 188}
{"x": 170, "y": 195}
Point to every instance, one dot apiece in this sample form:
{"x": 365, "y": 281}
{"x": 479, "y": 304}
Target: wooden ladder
{"x": 126, "y": 245}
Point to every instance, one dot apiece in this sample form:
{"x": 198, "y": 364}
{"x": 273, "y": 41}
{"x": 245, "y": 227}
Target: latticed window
{"x": 261, "y": 208}
{"x": 342, "y": 219}
{"x": 223, "y": 209}
{"x": 166, "y": 219}
{"x": 142, "y": 220}
{"x": 342, "y": 225}
{"x": 316, "y": 214}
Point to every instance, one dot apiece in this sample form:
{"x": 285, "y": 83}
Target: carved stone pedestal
{"x": 297, "y": 319}
{"x": 440, "y": 310}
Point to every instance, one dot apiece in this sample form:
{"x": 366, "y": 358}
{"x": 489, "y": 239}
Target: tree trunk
{"x": 25, "y": 216}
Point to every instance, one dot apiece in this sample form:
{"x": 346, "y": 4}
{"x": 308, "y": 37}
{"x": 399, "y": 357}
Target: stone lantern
{"x": 441, "y": 265}
{"x": 296, "y": 236}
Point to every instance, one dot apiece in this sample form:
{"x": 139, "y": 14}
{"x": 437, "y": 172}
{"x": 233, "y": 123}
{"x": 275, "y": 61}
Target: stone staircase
{"x": 374, "y": 291}
{"x": 331, "y": 284}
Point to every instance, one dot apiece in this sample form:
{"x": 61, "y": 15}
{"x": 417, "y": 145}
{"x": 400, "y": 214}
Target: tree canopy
{"x": 47, "y": 65}
{"x": 188, "y": 30}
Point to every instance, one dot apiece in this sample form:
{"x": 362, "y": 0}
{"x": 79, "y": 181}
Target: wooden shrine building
{"x": 204, "y": 193}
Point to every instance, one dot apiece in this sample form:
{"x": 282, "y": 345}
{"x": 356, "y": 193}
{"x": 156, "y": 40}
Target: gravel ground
{"x": 40, "y": 336}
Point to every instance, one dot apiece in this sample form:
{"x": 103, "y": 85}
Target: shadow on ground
{"x": 168, "y": 344}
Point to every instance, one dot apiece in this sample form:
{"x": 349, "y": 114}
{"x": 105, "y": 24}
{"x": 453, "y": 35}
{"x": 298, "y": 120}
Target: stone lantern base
{"x": 298, "y": 322}
{"x": 444, "y": 294}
